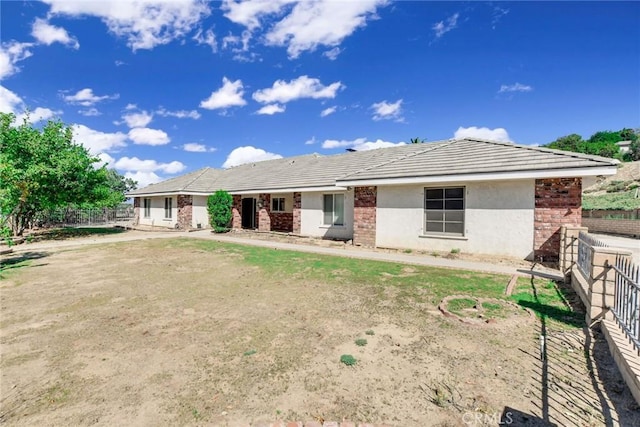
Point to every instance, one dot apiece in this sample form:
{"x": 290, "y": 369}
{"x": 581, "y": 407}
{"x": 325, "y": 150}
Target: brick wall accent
{"x": 558, "y": 202}
{"x": 264, "y": 214}
{"x": 297, "y": 213}
{"x": 185, "y": 211}
{"x": 236, "y": 210}
{"x": 136, "y": 210}
{"x": 282, "y": 221}
{"x": 364, "y": 216}
{"x": 628, "y": 227}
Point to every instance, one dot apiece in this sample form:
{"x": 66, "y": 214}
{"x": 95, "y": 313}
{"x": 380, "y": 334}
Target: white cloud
{"x": 180, "y": 114}
{"x": 87, "y": 98}
{"x": 248, "y": 13}
{"x": 12, "y": 103}
{"x": 119, "y": 63}
{"x": 10, "y": 54}
{"x": 332, "y": 54}
{"x": 386, "y": 110}
{"x": 359, "y": 144}
{"x": 194, "y": 147}
{"x": 442, "y": 27}
{"x": 302, "y": 87}
{"x": 147, "y": 136}
{"x": 143, "y": 178}
{"x": 497, "y": 134}
{"x": 9, "y": 101}
{"x": 311, "y": 141}
{"x": 229, "y": 95}
{"x": 321, "y": 23}
{"x": 134, "y": 164}
{"x": 143, "y": 23}
{"x": 96, "y": 141}
{"x": 272, "y": 109}
{"x": 248, "y": 154}
{"x": 328, "y": 111}
{"x": 48, "y": 34}
{"x": 37, "y": 115}
{"x": 137, "y": 120}
{"x": 105, "y": 159}
{"x": 90, "y": 112}
{"x": 131, "y": 107}
{"x": 207, "y": 38}
{"x": 516, "y": 87}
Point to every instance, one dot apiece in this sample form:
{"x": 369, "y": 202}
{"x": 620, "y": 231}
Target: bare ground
{"x": 159, "y": 333}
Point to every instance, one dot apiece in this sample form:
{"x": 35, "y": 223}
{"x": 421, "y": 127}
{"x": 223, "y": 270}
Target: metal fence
{"x": 585, "y": 243}
{"x": 85, "y": 217}
{"x": 626, "y": 306}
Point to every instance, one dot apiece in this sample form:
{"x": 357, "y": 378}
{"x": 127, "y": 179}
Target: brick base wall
{"x": 136, "y": 210}
{"x": 264, "y": 214}
{"x": 282, "y": 221}
{"x": 236, "y": 210}
{"x": 627, "y": 227}
{"x": 185, "y": 211}
{"x": 364, "y": 216}
{"x": 297, "y": 213}
{"x": 558, "y": 202}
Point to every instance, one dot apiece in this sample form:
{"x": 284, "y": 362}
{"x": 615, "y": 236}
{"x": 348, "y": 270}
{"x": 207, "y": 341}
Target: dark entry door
{"x": 249, "y": 213}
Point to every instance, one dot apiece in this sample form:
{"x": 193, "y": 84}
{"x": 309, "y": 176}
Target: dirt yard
{"x": 168, "y": 332}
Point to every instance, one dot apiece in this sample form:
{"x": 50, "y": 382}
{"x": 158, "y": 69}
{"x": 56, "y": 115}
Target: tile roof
{"x": 441, "y": 158}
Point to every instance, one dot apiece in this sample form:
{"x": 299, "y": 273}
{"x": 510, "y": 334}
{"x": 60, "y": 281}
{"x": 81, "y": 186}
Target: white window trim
{"x": 282, "y": 205}
{"x": 444, "y": 234}
{"x": 333, "y": 224}
{"x": 170, "y": 210}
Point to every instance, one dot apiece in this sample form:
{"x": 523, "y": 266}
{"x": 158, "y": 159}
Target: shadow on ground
{"x": 12, "y": 262}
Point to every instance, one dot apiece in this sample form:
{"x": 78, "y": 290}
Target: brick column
{"x": 236, "y": 210}
{"x": 185, "y": 211}
{"x": 264, "y": 213}
{"x": 364, "y": 216}
{"x": 558, "y": 202}
{"x": 136, "y": 210}
{"x": 569, "y": 247}
{"x": 297, "y": 213}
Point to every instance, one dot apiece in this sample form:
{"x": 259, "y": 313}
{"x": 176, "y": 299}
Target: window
{"x": 444, "y": 210}
{"x": 277, "y": 204}
{"x": 147, "y": 208}
{"x": 333, "y": 209}
{"x": 168, "y": 202}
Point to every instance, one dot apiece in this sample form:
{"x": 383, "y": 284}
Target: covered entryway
{"x": 249, "y": 213}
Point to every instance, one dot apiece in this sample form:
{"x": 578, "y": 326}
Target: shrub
{"x": 219, "y": 207}
{"x": 348, "y": 359}
{"x": 361, "y": 342}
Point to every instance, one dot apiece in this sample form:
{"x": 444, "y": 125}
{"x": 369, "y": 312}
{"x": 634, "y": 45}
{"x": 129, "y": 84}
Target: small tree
{"x": 219, "y": 207}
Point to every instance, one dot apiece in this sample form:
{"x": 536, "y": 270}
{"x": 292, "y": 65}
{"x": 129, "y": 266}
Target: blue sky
{"x": 160, "y": 88}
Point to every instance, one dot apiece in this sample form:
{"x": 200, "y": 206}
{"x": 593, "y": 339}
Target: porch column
{"x": 364, "y": 216}
{"x": 264, "y": 214}
{"x": 236, "y": 210}
{"x": 297, "y": 213}
{"x": 185, "y": 211}
{"x": 136, "y": 210}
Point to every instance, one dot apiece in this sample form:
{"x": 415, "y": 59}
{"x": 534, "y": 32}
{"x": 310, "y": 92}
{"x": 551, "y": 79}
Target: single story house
{"x": 474, "y": 195}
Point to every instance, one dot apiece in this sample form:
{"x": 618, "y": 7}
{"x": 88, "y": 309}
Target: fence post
{"x": 602, "y": 281}
{"x": 569, "y": 247}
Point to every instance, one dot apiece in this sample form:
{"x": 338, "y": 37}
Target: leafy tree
{"x": 112, "y": 192}
{"x": 573, "y": 142}
{"x": 417, "y": 141}
{"x": 219, "y": 207}
{"x": 602, "y": 143}
{"x": 43, "y": 169}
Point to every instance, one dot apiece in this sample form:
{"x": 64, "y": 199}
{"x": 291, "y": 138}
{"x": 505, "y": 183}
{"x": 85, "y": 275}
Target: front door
{"x": 249, "y": 213}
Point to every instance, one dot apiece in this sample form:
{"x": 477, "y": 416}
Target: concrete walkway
{"x": 628, "y": 243}
{"x": 346, "y": 251}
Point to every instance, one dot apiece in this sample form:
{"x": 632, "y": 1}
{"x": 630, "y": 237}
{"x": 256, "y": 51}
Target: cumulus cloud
{"x": 359, "y": 144}
{"x": 443, "y": 27}
{"x": 48, "y": 34}
{"x": 105, "y": 159}
{"x": 10, "y": 54}
{"x": 147, "y": 136}
{"x": 96, "y": 141}
{"x": 137, "y": 120}
{"x": 9, "y": 101}
{"x": 387, "y": 110}
{"x": 320, "y": 23}
{"x": 497, "y": 134}
{"x": 143, "y": 23}
{"x": 12, "y": 103}
{"x": 193, "y": 147}
{"x": 134, "y": 164}
{"x": 143, "y": 178}
{"x": 328, "y": 111}
{"x": 180, "y": 114}
{"x": 272, "y": 109}
{"x": 90, "y": 112}
{"x": 249, "y": 13}
{"x": 516, "y": 87}
{"x": 37, "y": 115}
{"x": 302, "y": 87}
{"x": 87, "y": 98}
{"x": 248, "y": 154}
{"x": 229, "y": 95}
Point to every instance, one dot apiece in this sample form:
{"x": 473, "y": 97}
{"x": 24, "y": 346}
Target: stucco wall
{"x": 157, "y": 213}
{"x": 312, "y": 217}
{"x": 200, "y": 215}
{"x": 498, "y": 219}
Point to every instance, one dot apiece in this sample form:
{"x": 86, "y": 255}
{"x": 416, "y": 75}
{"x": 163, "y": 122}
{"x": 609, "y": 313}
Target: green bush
{"x": 219, "y": 207}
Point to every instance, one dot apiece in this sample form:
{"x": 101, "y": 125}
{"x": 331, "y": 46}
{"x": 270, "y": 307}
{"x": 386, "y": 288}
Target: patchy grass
{"x": 361, "y": 342}
{"x": 624, "y": 200}
{"x": 72, "y": 232}
{"x": 348, "y": 359}
{"x": 458, "y": 305}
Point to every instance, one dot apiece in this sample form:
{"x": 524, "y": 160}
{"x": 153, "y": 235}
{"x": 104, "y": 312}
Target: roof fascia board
{"x": 170, "y": 193}
{"x": 552, "y": 173}
{"x": 291, "y": 190}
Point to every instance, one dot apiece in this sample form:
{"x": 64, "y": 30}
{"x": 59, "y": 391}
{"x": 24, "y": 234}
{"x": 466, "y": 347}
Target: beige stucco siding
{"x": 498, "y": 219}
{"x": 157, "y": 218}
{"x": 311, "y": 223}
{"x": 199, "y": 212}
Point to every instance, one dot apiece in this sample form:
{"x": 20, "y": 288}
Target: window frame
{"x": 168, "y": 208}
{"x": 459, "y": 214}
{"x": 146, "y": 207}
{"x": 280, "y": 202}
{"x": 334, "y": 215}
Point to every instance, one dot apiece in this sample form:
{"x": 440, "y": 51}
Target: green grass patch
{"x": 361, "y": 342}
{"x": 624, "y": 200}
{"x": 493, "y": 310}
{"x": 457, "y": 305}
{"x": 72, "y": 232}
{"x": 548, "y": 301}
{"x": 11, "y": 263}
{"x": 249, "y": 352}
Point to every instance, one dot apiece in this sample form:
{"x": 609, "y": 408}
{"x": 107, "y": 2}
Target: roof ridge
{"x": 548, "y": 150}
{"x": 440, "y": 144}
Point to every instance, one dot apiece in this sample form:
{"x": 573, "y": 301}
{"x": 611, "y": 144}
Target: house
{"x": 469, "y": 194}
{"x": 624, "y": 146}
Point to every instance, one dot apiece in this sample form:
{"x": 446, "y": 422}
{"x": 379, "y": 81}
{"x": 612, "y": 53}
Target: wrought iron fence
{"x": 85, "y": 217}
{"x": 585, "y": 254}
{"x": 626, "y": 306}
